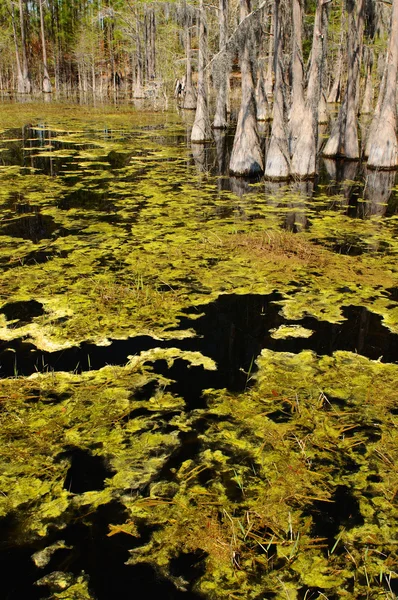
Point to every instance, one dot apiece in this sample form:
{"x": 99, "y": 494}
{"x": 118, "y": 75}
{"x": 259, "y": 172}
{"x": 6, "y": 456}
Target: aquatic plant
{"x": 286, "y": 488}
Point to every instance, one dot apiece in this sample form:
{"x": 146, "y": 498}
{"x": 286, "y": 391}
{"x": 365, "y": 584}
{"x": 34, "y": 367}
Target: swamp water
{"x": 198, "y": 374}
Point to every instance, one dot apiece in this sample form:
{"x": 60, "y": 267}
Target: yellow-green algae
{"x": 263, "y": 476}
{"x": 286, "y": 331}
{"x": 125, "y": 235}
{"x": 45, "y": 413}
{"x": 245, "y": 501}
{"x": 140, "y": 236}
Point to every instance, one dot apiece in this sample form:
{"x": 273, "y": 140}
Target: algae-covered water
{"x": 198, "y": 373}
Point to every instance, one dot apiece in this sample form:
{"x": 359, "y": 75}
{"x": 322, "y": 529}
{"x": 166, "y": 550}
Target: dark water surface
{"x": 232, "y": 331}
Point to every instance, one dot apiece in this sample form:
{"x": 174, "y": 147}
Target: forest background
{"x": 291, "y": 56}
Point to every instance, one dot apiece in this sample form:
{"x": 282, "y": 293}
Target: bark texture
{"x": 378, "y": 191}
{"x": 201, "y": 130}
{"x": 298, "y": 102}
{"x": 261, "y": 97}
{"x": 376, "y": 115}
{"x": 303, "y": 162}
{"x": 269, "y": 78}
{"x": 367, "y": 102}
{"x": 323, "y": 116}
{"x": 334, "y": 95}
{"x": 47, "y": 88}
{"x": 277, "y": 161}
{"x": 190, "y": 95}
{"x": 246, "y": 156}
{"x": 383, "y": 145}
{"x": 343, "y": 140}
{"x": 221, "y": 117}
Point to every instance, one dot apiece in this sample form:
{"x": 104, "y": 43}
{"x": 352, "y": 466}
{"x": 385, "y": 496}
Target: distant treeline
{"x": 292, "y": 56}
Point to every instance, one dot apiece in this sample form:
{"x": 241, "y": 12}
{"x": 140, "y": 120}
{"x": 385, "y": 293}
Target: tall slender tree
{"x": 298, "y": 102}
{"x": 201, "y": 130}
{"x": 343, "y": 140}
{"x": 20, "y": 79}
{"x": 222, "y": 70}
{"x": 335, "y": 90}
{"x": 304, "y": 156}
{"x": 383, "y": 152}
{"x": 277, "y": 164}
{"x": 25, "y": 68}
{"x": 247, "y": 156}
{"x": 46, "y": 78}
{"x": 190, "y": 94}
{"x": 269, "y": 77}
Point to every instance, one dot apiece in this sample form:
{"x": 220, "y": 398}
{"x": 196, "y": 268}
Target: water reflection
{"x": 36, "y": 148}
{"x": 34, "y": 227}
{"x": 58, "y": 152}
{"x": 345, "y": 187}
{"x": 289, "y": 202}
{"x": 203, "y": 157}
{"x": 104, "y": 173}
{"x": 377, "y": 192}
{"x": 296, "y": 219}
{"x": 238, "y": 185}
{"x": 222, "y": 152}
{"x": 360, "y": 192}
{"x": 350, "y": 188}
{"x": 342, "y": 185}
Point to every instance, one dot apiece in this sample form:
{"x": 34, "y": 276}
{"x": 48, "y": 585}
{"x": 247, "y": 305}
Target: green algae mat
{"x": 199, "y": 390}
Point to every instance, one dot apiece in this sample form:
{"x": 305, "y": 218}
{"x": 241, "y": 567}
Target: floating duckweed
{"x": 295, "y": 331}
{"x": 309, "y": 428}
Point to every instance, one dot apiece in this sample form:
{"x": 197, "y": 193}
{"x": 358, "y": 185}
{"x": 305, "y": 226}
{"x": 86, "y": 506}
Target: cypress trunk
{"x": 323, "y": 116}
{"x": 222, "y": 69}
{"x": 138, "y": 91}
{"x": 246, "y": 156}
{"x": 297, "y": 108}
{"x": 27, "y": 85}
{"x": 261, "y": 96}
{"x": 201, "y": 130}
{"x": 383, "y": 145}
{"x": 343, "y": 140}
{"x": 277, "y": 161}
{"x": 376, "y": 115}
{"x": 20, "y": 81}
{"x": 269, "y": 78}
{"x": 377, "y": 192}
{"x": 46, "y": 78}
{"x": 305, "y": 153}
{"x": 367, "y": 102}
{"x": 334, "y": 95}
{"x": 190, "y": 95}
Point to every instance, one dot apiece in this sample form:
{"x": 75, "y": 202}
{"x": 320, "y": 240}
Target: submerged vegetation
{"x": 278, "y": 481}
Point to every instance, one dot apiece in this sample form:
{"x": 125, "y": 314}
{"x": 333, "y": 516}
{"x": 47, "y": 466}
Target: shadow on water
{"x": 231, "y": 330}
{"x": 357, "y": 191}
{"x": 89, "y": 549}
{"x": 86, "y": 199}
{"x": 23, "y": 311}
{"x": 24, "y": 147}
{"x": 86, "y": 472}
{"x": 329, "y": 517}
{"x": 33, "y": 227}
